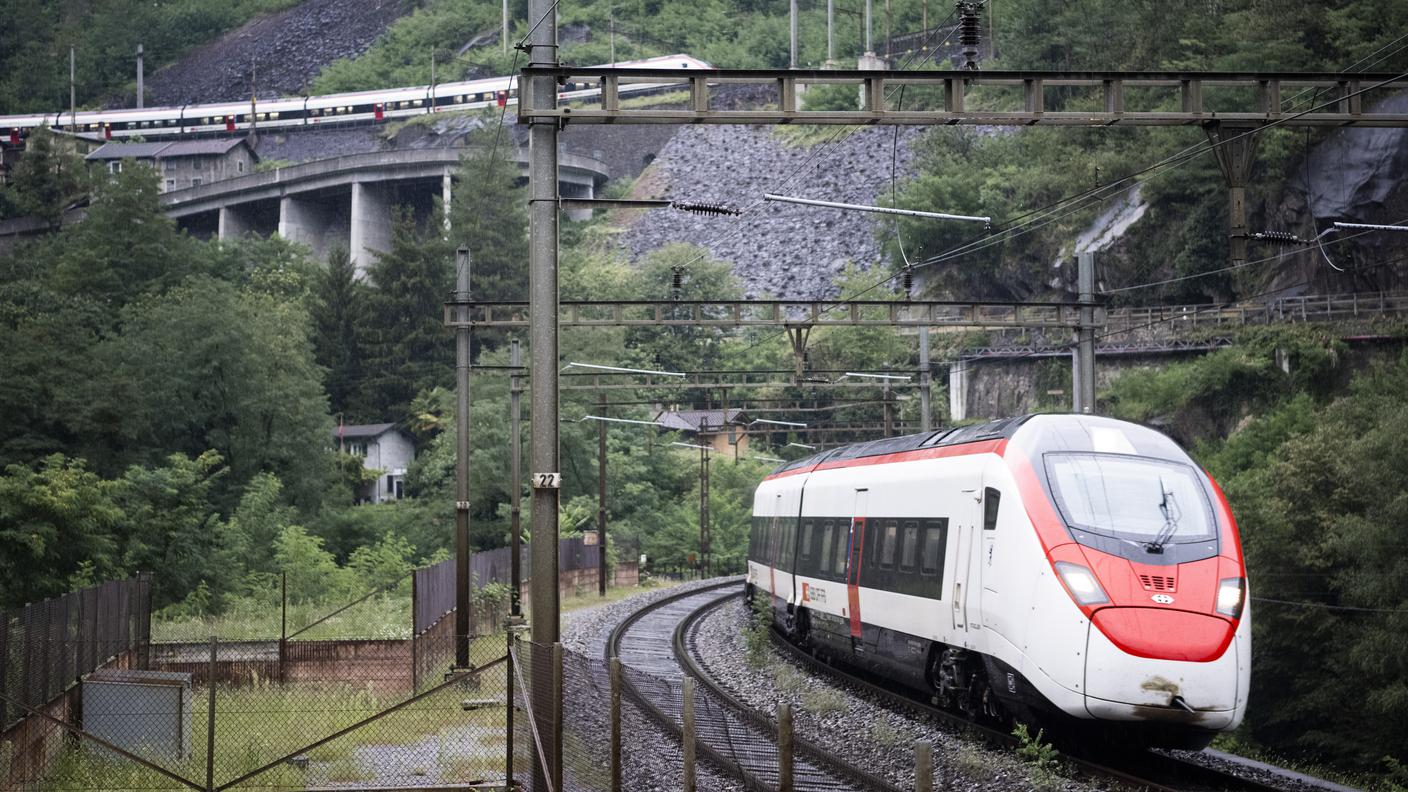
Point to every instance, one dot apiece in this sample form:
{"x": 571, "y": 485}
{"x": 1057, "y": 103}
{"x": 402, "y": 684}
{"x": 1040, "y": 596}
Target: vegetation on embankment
{"x": 1314, "y": 465}
{"x": 37, "y": 34}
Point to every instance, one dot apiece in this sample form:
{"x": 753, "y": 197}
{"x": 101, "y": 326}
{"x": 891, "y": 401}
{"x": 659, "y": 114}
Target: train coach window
{"x": 843, "y": 548}
{"x": 807, "y": 530}
{"x": 932, "y": 560}
{"x": 991, "y": 500}
{"x": 909, "y": 547}
{"x": 827, "y": 530}
{"x": 887, "y": 545}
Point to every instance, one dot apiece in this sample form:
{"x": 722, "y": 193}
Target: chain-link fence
{"x": 344, "y": 714}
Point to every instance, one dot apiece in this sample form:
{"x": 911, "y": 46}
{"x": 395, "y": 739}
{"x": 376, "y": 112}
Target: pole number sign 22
{"x": 547, "y": 481}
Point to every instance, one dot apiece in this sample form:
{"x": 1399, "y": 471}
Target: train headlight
{"x": 1231, "y": 594}
{"x": 1081, "y": 583}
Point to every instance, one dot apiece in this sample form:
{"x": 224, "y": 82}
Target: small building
{"x": 384, "y": 448}
{"x": 185, "y": 163}
{"x": 725, "y": 431}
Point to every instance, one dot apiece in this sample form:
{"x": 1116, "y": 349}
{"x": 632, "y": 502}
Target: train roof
{"x": 1002, "y": 428}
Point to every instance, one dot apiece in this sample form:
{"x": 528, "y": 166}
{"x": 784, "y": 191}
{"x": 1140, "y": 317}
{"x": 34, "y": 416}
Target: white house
{"x": 382, "y": 447}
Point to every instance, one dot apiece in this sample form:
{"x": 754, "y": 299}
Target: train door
{"x": 774, "y": 548}
{"x": 968, "y": 571}
{"x": 991, "y": 561}
{"x": 853, "y": 558}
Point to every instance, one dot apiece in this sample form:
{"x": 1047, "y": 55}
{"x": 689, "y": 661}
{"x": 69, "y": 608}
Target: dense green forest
{"x": 1313, "y": 463}
{"x": 170, "y": 402}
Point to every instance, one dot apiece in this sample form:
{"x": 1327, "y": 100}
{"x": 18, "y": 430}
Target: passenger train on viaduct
{"x": 1074, "y": 571}
{"x": 308, "y": 111}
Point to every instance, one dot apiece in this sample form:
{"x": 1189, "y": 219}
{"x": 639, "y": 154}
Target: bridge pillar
{"x": 371, "y": 224}
{"x": 958, "y": 374}
{"x": 305, "y": 222}
{"x": 447, "y": 194}
{"x": 233, "y": 223}
{"x": 577, "y": 189}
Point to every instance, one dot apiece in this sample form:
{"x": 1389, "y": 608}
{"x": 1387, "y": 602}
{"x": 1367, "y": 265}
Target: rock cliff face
{"x": 282, "y": 51}
{"x": 1355, "y": 175}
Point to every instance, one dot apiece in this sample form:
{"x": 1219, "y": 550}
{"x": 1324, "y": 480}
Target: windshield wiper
{"x": 1169, "y": 507}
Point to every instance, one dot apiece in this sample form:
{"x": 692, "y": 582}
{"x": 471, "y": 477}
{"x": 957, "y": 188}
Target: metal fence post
{"x": 283, "y": 621}
{"x": 556, "y": 757}
{"x": 210, "y": 718}
{"x": 784, "y": 747}
{"x": 615, "y": 724}
{"x": 4, "y": 665}
{"x": 688, "y": 737}
{"x": 508, "y": 709}
{"x": 415, "y": 640}
{"x": 923, "y": 767}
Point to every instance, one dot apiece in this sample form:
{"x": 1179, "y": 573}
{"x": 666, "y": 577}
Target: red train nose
{"x": 1165, "y": 634}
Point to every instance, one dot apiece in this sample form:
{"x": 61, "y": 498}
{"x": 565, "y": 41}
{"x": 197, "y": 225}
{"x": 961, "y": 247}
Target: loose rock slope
{"x": 281, "y": 52}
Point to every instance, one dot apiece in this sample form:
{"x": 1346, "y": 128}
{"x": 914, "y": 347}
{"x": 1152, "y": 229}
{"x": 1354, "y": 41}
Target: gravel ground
{"x": 787, "y": 250}
{"x": 827, "y": 715}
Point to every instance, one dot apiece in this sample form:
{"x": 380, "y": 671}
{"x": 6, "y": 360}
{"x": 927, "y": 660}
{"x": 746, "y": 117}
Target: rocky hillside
{"x": 280, "y": 53}
{"x": 786, "y": 250}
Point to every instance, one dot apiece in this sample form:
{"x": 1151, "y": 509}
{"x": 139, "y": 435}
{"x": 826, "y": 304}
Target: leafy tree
{"x": 171, "y": 526}
{"x": 54, "y": 518}
{"x": 386, "y": 564}
{"x": 48, "y": 179}
{"x": 313, "y": 573}
{"x": 127, "y": 247}
{"x": 258, "y": 520}
{"x": 207, "y": 367}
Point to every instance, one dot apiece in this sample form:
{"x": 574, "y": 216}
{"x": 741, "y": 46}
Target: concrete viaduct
{"x": 347, "y": 199}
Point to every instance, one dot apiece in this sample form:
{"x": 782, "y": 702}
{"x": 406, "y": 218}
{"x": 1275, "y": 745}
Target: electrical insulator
{"x": 676, "y": 281}
{"x": 705, "y": 208}
{"x": 970, "y": 32}
{"x": 908, "y": 277}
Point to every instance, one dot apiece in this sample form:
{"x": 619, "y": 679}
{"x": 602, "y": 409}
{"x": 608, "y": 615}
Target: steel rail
{"x": 813, "y": 753}
{"x": 653, "y": 710}
{"x": 757, "y": 726}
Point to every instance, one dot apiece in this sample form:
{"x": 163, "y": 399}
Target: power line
{"x": 1327, "y": 606}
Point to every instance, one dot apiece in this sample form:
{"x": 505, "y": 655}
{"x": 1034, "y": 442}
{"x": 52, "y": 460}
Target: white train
{"x": 156, "y": 122}
{"x": 1075, "y": 571}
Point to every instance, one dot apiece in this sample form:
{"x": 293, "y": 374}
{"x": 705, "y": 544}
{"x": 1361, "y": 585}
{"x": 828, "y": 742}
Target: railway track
{"x": 1148, "y": 770}
{"x": 741, "y": 740}
{"x": 729, "y": 734}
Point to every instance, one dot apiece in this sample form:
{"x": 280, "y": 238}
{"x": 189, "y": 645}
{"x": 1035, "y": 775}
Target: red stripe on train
{"x": 981, "y": 447}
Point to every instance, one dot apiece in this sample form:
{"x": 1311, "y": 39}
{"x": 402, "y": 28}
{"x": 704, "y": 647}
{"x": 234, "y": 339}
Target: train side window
{"x": 932, "y": 560}
{"x": 909, "y": 549}
{"x": 992, "y": 499}
{"x": 843, "y": 547}
{"x": 789, "y": 547}
{"x": 826, "y": 531}
{"x": 887, "y": 545}
{"x": 807, "y": 530}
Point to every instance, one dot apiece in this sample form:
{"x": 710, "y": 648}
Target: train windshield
{"x": 1137, "y": 499}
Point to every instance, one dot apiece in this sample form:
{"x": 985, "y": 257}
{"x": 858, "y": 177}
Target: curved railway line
{"x": 739, "y": 739}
